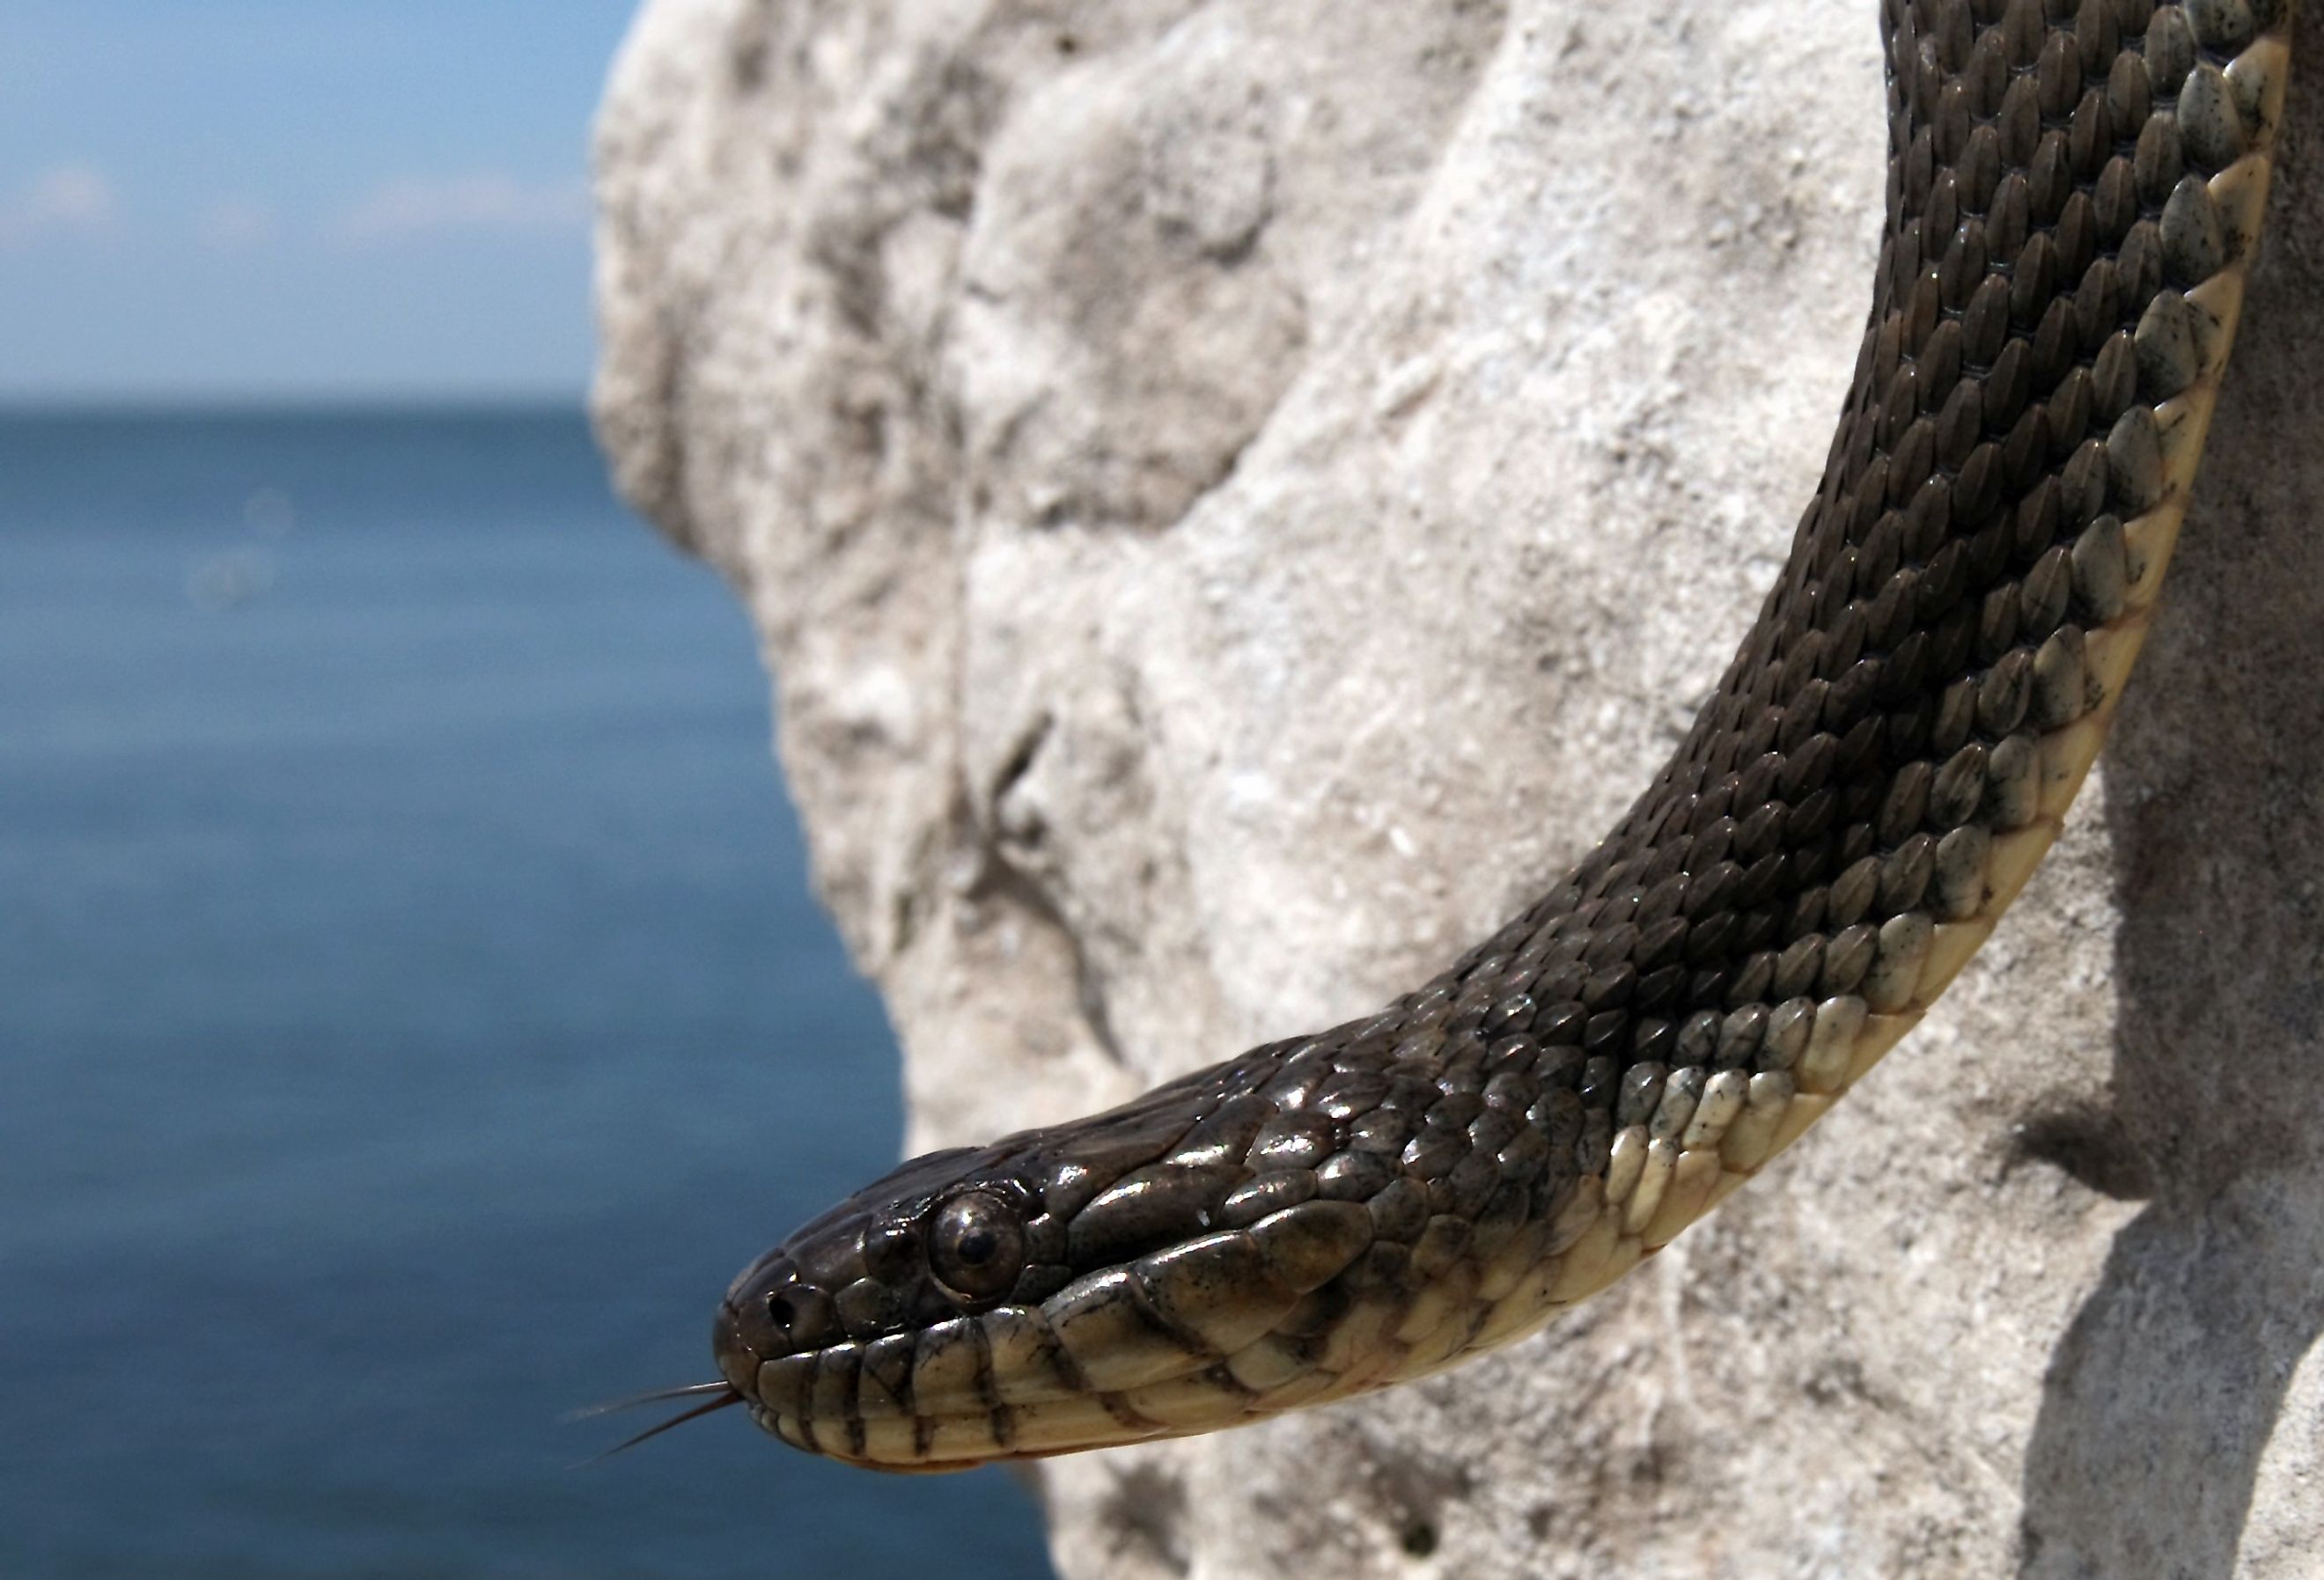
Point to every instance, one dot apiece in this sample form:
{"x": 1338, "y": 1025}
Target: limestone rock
{"x": 1236, "y": 496}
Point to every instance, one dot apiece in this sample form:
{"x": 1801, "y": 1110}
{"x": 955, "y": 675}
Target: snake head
{"x": 1173, "y": 1265}
{"x": 945, "y": 1235}
{"x": 852, "y": 1318}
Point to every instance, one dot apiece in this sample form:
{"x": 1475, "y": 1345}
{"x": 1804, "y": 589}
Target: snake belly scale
{"x": 2074, "y": 197}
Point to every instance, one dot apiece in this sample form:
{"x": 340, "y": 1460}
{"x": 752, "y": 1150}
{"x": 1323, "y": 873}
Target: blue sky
{"x": 255, "y": 200}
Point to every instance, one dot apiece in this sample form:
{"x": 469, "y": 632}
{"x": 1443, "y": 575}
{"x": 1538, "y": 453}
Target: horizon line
{"x": 282, "y": 403}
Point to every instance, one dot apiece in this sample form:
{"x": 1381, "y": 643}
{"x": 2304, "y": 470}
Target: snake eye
{"x": 976, "y": 1246}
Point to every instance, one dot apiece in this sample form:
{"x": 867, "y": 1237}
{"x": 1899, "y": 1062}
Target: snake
{"x": 2074, "y": 197}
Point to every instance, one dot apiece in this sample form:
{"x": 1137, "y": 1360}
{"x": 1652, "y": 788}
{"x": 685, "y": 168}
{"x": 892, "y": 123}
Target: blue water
{"x": 411, "y": 1014}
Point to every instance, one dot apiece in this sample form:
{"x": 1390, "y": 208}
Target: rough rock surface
{"x": 1237, "y": 495}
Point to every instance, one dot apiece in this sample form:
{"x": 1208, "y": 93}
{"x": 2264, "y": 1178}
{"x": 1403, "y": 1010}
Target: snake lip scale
{"x": 2074, "y": 197}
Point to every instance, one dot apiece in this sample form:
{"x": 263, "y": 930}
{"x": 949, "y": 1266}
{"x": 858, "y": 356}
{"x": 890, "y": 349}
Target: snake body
{"x": 2075, "y": 192}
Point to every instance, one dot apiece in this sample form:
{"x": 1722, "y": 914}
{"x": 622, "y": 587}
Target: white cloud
{"x": 70, "y": 200}
{"x": 234, "y": 224}
{"x": 487, "y": 200}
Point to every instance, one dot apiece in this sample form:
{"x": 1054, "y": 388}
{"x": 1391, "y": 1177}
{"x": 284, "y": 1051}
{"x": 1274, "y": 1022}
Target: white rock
{"x": 1236, "y": 496}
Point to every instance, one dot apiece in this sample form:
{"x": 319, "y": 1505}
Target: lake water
{"x": 412, "y": 1012}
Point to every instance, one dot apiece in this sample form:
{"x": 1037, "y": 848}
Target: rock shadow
{"x": 2161, "y": 1398}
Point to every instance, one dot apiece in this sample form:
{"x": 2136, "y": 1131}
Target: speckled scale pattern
{"x": 2074, "y": 194}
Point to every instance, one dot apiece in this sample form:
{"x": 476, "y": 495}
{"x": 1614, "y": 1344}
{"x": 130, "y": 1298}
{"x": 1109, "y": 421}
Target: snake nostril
{"x": 788, "y": 1319}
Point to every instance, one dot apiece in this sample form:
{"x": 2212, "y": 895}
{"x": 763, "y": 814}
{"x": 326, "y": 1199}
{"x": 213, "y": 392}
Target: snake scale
{"x": 2074, "y": 195}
